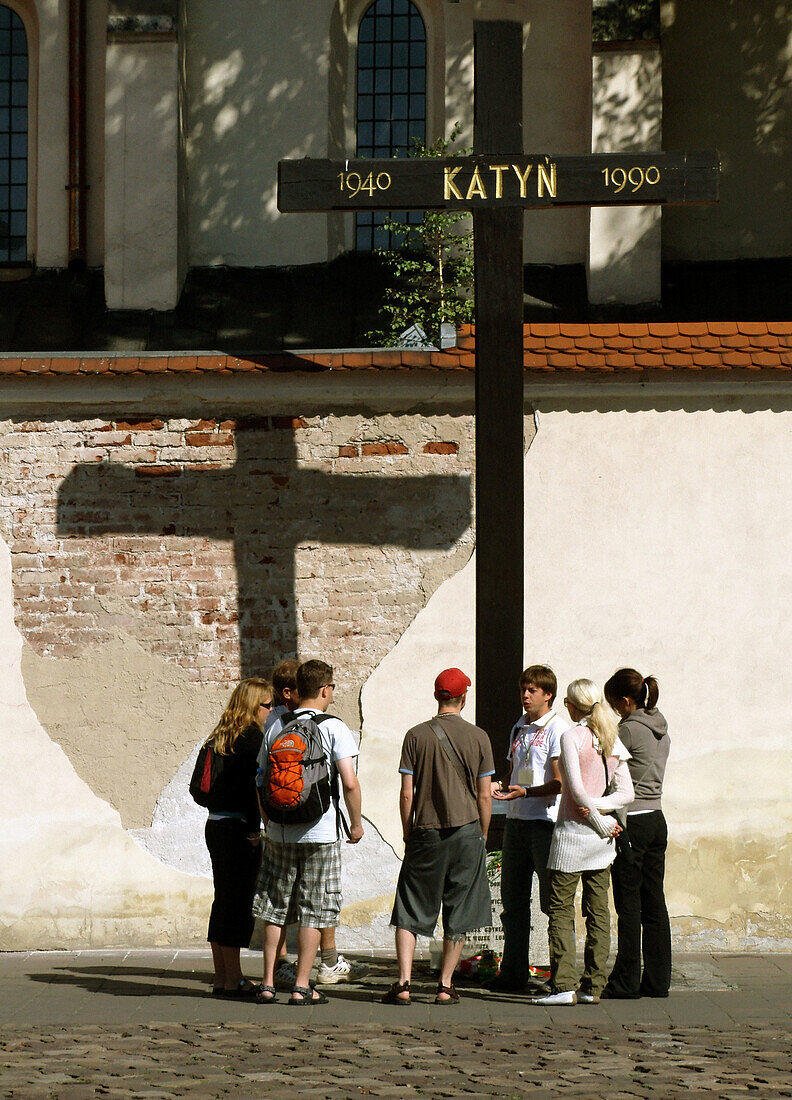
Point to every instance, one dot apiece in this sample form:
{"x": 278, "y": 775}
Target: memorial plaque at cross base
{"x": 497, "y": 183}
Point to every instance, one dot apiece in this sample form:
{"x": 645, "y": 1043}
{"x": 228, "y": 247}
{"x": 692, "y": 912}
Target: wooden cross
{"x": 230, "y": 504}
{"x": 497, "y": 184}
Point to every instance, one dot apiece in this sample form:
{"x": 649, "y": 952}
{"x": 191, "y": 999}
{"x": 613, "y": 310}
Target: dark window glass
{"x": 391, "y": 100}
{"x": 13, "y": 137}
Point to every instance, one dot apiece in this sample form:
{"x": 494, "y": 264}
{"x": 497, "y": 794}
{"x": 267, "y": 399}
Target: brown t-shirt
{"x": 440, "y": 801}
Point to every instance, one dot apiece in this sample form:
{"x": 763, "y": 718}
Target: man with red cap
{"x": 445, "y": 806}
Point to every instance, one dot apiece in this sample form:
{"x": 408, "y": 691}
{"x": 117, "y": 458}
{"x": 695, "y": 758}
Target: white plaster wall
{"x": 69, "y": 873}
{"x": 141, "y": 172}
{"x": 557, "y": 118}
{"x": 659, "y": 538}
{"x": 257, "y": 93}
{"x": 624, "y": 257}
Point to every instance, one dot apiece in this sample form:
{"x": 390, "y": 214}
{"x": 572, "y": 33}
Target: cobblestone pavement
{"x": 140, "y": 1025}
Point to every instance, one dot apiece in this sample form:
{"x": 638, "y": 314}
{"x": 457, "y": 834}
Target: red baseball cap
{"x": 451, "y": 683}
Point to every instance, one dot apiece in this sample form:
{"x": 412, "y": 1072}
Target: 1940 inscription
{"x": 472, "y": 182}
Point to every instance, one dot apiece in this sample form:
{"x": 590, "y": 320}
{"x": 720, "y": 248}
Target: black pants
{"x": 235, "y": 864}
{"x": 643, "y": 922}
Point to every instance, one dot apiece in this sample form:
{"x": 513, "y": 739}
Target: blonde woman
{"x": 595, "y": 782}
{"x": 233, "y": 833}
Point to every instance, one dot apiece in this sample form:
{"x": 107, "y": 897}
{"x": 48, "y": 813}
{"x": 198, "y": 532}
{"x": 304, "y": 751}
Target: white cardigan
{"x": 587, "y": 845}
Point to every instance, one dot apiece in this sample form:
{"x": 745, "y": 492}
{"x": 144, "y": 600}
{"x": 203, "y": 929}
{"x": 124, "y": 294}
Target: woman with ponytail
{"x": 596, "y": 781}
{"x": 233, "y": 834}
{"x": 644, "y": 928}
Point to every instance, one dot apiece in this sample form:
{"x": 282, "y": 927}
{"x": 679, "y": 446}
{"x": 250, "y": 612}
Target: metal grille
{"x": 391, "y": 100}
{"x": 13, "y": 137}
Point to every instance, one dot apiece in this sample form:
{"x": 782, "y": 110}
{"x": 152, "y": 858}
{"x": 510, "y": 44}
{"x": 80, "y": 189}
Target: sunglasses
{"x": 269, "y": 705}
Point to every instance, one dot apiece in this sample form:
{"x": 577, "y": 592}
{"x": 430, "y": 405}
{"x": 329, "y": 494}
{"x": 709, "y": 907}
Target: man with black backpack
{"x": 445, "y": 806}
{"x": 303, "y": 757}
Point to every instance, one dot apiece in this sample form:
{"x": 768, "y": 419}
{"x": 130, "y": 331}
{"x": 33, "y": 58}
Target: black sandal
{"x": 308, "y": 996}
{"x": 451, "y": 994}
{"x": 392, "y": 996}
{"x": 261, "y": 999}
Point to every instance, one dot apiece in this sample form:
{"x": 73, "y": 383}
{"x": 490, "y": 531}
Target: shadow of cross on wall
{"x": 266, "y": 505}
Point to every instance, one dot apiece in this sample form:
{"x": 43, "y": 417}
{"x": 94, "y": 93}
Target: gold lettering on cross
{"x": 449, "y": 187}
{"x": 499, "y": 169}
{"x": 477, "y": 187}
{"x": 547, "y": 180}
{"x": 523, "y": 178}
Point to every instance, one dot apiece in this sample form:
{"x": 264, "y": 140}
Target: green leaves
{"x": 431, "y": 274}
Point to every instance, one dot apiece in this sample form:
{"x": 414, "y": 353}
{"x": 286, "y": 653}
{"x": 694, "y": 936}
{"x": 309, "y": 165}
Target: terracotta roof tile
{"x": 678, "y": 360}
{"x": 546, "y": 330}
{"x": 619, "y": 360}
{"x": 590, "y": 361}
{"x": 736, "y": 359}
{"x": 123, "y": 364}
{"x": 153, "y": 364}
{"x": 182, "y": 363}
{"x": 650, "y": 360}
{"x": 66, "y": 365}
{"x": 548, "y": 348}
{"x": 35, "y": 366}
{"x": 766, "y": 359}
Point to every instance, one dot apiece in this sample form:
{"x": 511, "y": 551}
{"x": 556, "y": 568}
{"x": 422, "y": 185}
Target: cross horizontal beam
{"x": 531, "y": 181}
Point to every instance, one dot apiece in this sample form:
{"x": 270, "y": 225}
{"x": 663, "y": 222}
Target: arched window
{"x": 391, "y": 99}
{"x": 13, "y": 137}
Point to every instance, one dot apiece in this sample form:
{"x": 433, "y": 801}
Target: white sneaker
{"x": 343, "y": 971}
{"x": 587, "y": 998}
{"x": 568, "y": 997}
{"x": 285, "y": 975}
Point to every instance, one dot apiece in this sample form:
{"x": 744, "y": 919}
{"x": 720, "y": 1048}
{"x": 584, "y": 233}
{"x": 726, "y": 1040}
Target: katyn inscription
{"x": 525, "y": 181}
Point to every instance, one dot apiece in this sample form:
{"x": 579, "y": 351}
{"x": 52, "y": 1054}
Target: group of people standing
{"x": 585, "y": 804}
{"x": 572, "y": 791}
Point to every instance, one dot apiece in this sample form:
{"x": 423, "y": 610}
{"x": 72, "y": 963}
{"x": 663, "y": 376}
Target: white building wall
{"x": 665, "y": 544}
{"x": 624, "y": 259}
{"x": 257, "y": 93}
{"x": 141, "y": 171}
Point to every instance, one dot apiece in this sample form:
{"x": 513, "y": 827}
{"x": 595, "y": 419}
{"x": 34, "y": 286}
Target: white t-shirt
{"x": 532, "y": 746}
{"x": 339, "y": 743}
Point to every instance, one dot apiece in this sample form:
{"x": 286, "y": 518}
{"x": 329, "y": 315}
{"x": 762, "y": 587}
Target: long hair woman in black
{"x": 233, "y": 834}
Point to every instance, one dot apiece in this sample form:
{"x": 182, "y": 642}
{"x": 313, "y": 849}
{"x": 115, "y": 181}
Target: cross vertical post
{"x": 498, "y": 236}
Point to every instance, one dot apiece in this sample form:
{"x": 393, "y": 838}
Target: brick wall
{"x": 223, "y": 544}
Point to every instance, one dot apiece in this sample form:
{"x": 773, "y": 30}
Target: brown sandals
{"x": 451, "y": 995}
{"x": 392, "y": 996}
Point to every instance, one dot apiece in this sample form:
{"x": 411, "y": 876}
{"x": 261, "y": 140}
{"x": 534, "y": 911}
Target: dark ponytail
{"x": 644, "y": 692}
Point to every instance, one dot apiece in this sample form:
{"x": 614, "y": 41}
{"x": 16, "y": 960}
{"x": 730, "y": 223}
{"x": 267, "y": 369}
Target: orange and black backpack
{"x": 297, "y": 781}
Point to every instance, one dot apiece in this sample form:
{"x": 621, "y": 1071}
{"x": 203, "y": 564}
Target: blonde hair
{"x": 601, "y": 719}
{"x": 241, "y": 712}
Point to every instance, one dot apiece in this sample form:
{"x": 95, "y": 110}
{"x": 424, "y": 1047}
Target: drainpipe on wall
{"x": 76, "y": 186}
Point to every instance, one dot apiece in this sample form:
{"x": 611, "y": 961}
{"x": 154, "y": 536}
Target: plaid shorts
{"x": 299, "y": 884}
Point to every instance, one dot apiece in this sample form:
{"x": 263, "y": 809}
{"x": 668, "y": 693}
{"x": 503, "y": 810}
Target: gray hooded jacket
{"x": 644, "y": 733}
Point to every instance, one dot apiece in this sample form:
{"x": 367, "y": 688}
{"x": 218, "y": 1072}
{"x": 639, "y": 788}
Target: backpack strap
{"x": 451, "y": 752}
